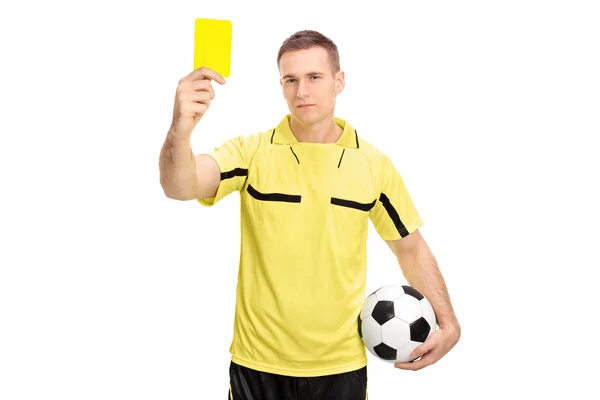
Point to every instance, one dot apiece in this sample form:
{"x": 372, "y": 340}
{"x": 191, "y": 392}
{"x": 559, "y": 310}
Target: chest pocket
{"x": 272, "y": 191}
{"x": 352, "y": 197}
{"x": 353, "y": 188}
{"x": 351, "y": 219}
{"x": 271, "y": 207}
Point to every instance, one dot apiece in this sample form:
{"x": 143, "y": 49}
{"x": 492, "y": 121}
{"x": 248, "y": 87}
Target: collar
{"x": 283, "y": 134}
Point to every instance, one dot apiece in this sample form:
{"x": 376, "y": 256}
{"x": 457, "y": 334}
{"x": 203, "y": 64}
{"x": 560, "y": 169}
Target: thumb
{"x": 219, "y": 79}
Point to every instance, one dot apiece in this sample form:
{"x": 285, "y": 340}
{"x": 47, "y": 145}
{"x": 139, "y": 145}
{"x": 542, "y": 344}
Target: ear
{"x": 340, "y": 81}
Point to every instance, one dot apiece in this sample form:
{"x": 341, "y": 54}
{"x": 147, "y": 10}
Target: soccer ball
{"x": 394, "y": 320}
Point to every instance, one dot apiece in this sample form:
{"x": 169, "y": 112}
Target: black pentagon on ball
{"x": 411, "y": 291}
{"x": 383, "y": 311}
{"x": 385, "y": 352}
{"x": 419, "y": 330}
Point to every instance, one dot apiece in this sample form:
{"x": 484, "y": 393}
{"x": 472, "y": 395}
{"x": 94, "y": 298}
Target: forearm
{"x": 178, "y": 168}
{"x": 421, "y": 270}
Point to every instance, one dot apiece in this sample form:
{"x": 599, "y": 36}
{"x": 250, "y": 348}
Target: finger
{"x": 197, "y": 96}
{"x": 203, "y": 85}
{"x": 410, "y": 366}
{"x": 421, "y": 350}
{"x": 200, "y": 108}
{"x": 429, "y": 358}
{"x": 203, "y": 73}
{"x": 414, "y": 365}
{"x": 195, "y": 109}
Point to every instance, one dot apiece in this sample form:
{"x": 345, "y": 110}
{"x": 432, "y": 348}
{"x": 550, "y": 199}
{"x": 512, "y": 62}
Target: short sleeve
{"x": 231, "y": 157}
{"x": 394, "y": 215}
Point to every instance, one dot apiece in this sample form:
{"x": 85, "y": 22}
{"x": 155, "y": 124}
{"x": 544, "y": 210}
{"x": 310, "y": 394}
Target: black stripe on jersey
{"x": 353, "y": 204}
{"x": 342, "y": 156}
{"x": 233, "y": 173}
{"x": 295, "y": 154}
{"x": 287, "y": 198}
{"x": 393, "y": 215}
{"x": 356, "y": 136}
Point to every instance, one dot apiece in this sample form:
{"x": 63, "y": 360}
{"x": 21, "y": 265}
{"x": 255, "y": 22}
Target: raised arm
{"x": 184, "y": 176}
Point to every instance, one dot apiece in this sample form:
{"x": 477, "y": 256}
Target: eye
{"x": 291, "y": 80}
{"x": 315, "y": 76}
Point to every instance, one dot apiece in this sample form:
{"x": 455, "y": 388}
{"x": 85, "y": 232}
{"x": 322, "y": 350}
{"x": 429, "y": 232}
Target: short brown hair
{"x": 303, "y": 40}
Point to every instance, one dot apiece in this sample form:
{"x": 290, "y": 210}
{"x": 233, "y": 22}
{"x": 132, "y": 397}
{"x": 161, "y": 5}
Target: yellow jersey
{"x": 305, "y": 209}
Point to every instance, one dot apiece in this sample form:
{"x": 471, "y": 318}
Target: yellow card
{"x": 212, "y": 45}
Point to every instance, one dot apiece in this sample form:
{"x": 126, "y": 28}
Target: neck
{"x": 323, "y": 131}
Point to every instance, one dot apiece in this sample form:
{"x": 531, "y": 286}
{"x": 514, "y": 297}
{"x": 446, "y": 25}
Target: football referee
{"x": 308, "y": 185}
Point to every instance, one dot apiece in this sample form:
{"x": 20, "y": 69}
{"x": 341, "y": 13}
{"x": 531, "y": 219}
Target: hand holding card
{"x": 212, "y": 59}
{"x": 193, "y": 96}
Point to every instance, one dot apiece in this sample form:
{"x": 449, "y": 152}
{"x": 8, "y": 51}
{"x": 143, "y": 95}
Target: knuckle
{"x": 201, "y": 85}
{"x": 182, "y": 89}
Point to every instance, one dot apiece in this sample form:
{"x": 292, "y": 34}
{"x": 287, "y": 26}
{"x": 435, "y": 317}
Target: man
{"x": 308, "y": 188}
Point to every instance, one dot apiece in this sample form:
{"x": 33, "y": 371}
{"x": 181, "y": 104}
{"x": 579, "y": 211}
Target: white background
{"x": 110, "y": 290}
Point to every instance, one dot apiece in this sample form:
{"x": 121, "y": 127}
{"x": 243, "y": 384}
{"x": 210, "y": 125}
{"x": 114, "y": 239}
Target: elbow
{"x": 178, "y": 196}
{"x": 172, "y": 196}
{"x": 169, "y": 194}
{"x": 173, "y": 193}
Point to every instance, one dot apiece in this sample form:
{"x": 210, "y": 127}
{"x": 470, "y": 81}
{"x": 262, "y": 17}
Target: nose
{"x": 302, "y": 89}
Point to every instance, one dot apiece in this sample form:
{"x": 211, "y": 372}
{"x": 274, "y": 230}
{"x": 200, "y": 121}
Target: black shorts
{"x": 249, "y": 384}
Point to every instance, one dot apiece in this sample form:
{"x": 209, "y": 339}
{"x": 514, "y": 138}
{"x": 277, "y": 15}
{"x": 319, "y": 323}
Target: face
{"x": 309, "y": 86}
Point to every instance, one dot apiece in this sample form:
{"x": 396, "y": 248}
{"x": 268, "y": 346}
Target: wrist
{"x": 175, "y": 134}
{"x": 451, "y": 326}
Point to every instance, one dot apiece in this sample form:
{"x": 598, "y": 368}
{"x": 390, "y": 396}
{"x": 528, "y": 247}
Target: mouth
{"x": 305, "y": 105}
